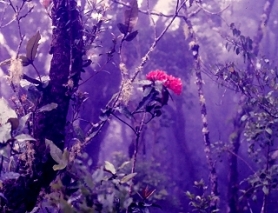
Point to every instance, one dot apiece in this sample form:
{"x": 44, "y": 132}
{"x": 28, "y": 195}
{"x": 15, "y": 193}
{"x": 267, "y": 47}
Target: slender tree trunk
{"x": 262, "y": 25}
{"x": 233, "y": 164}
{"x": 67, "y": 49}
{"x": 213, "y": 178}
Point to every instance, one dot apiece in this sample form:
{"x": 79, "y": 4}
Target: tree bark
{"x": 66, "y": 65}
{"x": 213, "y": 176}
{"x": 233, "y": 164}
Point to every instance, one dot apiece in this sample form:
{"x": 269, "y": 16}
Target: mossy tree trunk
{"x": 67, "y": 49}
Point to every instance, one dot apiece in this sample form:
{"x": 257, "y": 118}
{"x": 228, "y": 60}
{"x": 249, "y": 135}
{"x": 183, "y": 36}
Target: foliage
{"x": 29, "y": 153}
{"x": 200, "y": 202}
{"x": 106, "y": 190}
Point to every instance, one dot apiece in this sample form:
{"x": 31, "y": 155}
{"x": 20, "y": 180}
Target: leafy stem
{"x": 36, "y": 71}
{"x": 134, "y": 157}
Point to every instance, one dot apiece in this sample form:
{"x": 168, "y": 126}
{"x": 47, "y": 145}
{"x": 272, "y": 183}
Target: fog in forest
{"x": 144, "y": 106}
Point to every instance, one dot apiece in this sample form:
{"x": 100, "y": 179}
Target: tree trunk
{"x": 67, "y": 49}
{"x": 233, "y": 164}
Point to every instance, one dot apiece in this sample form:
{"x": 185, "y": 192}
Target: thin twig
{"x": 26, "y": 14}
{"x": 134, "y": 157}
{"x": 177, "y": 5}
{"x": 124, "y": 122}
{"x": 17, "y": 18}
{"x": 3, "y": 14}
{"x": 212, "y": 13}
{"x": 240, "y": 158}
{"x": 159, "y": 13}
{"x": 146, "y": 57}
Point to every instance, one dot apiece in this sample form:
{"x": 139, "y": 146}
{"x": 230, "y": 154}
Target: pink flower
{"x": 157, "y": 75}
{"x": 169, "y": 81}
{"x": 174, "y": 84}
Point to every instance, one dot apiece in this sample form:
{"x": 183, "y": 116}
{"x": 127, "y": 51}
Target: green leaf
{"x": 244, "y": 117}
{"x": 109, "y": 167}
{"x": 22, "y": 122}
{"x": 131, "y": 36}
{"x": 237, "y": 50}
{"x": 123, "y": 28}
{"x": 24, "y": 60}
{"x": 265, "y": 190}
{"x": 48, "y": 107}
{"x": 124, "y": 164}
{"x": 24, "y": 137}
{"x": 79, "y": 132}
{"x": 147, "y": 90}
{"x": 144, "y": 82}
{"x": 55, "y": 152}
{"x": 269, "y": 131}
{"x": 151, "y": 95}
{"x": 63, "y": 162}
{"x": 128, "y": 177}
{"x": 254, "y": 197}
{"x": 57, "y": 167}
{"x": 105, "y": 114}
{"x": 32, "y": 46}
{"x": 14, "y": 123}
{"x": 157, "y": 112}
{"x": 98, "y": 175}
{"x": 131, "y": 15}
{"x": 274, "y": 155}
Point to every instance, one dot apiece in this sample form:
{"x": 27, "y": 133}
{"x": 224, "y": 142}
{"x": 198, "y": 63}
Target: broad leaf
{"x": 24, "y": 60}
{"x": 147, "y": 99}
{"x": 48, "y": 107}
{"x": 124, "y": 164}
{"x": 22, "y": 122}
{"x": 5, "y": 113}
{"x": 105, "y": 114}
{"x": 131, "y": 36}
{"x": 55, "y": 152}
{"x": 14, "y": 123}
{"x": 144, "y": 83}
{"x": 98, "y": 175}
{"x": 109, "y": 167}
{"x": 269, "y": 131}
{"x": 128, "y": 177}
{"x": 123, "y": 28}
{"x": 24, "y": 137}
{"x": 32, "y": 46}
{"x": 131, "y": 15}
{"x": 79, "y": 132}
{"x": 63, "y": 162}
{"x": 265, "y": 190}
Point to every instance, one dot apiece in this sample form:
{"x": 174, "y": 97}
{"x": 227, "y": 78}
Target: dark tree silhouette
{"x": 66, "y": 66}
